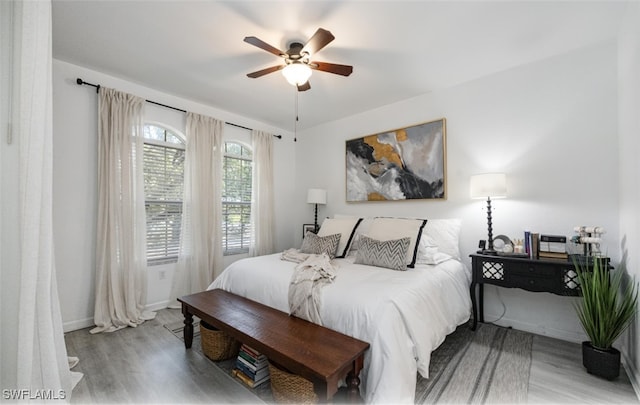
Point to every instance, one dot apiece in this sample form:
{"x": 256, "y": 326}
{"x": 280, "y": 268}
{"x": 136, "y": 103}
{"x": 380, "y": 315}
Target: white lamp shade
{"x": 492, "y": 185}
{"x": 316, "y": 196}
{"x": 297, "y": 73}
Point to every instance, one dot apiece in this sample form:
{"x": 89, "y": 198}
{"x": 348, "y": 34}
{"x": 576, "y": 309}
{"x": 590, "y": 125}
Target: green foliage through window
{"x": 163, "y": 166}
{"x": 236, "y": 198}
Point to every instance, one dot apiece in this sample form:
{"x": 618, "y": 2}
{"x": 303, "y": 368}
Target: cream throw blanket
{"x": 313, "y": 273}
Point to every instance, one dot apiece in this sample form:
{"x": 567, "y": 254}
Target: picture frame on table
{"x": 308, "y": 227}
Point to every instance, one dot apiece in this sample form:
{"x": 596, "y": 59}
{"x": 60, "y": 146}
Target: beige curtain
{"x": 200, "y": 257}
{"x": 121, "y": 265}
{"x": 41, "y": 355}
{"x": 262, "y": 206}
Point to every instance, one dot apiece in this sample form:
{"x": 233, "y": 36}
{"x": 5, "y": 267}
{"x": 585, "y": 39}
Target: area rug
{"x": 490, "y": 365}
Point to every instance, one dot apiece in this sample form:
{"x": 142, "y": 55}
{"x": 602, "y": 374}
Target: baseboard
{"x": 88, "y": 322}
{"x": 561, "y": 334}
{"x": 157, "y": 306}
{"x": 632, "y": 372}
{"x": 75, "y": 325}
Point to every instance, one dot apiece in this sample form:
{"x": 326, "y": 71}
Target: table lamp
{"x": 316, "y": 196}
{"x": 489, "y": 185}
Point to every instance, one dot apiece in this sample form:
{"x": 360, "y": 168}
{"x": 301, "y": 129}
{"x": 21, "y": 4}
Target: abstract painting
{"x": 403, "y": 164}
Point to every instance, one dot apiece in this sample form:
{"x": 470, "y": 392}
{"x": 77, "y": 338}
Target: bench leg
{"x": 188, "y": 327}
{"x": 354, "y": 388}
{"x": 320, "y": 388}
{"x": 353, "y": 381}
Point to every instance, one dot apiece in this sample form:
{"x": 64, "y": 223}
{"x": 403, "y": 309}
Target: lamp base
{"x": 316, "y": 228}
{"x": 491, "y": 252}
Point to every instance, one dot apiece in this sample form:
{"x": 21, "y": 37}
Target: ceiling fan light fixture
{"x": 297, "y": 73}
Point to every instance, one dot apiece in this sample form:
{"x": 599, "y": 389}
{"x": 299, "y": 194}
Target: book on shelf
{"x": 534, "y": 245}
{"x": 252, "y": 355}
{"x": 247, "y": 380}
{"x": 254, "y": 375}
{"x": 252, "y": 352}
{"x": 554, "y": 255}
{"x": 553, "y": 243}
{"x": 258, "y": 363}
{"x": 251, "y": 367}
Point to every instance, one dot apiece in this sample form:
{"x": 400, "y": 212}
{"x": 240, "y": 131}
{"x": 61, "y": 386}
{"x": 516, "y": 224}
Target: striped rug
{"x": 490, "y": 365}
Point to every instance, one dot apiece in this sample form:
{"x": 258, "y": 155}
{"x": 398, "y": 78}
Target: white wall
{"x": 550, "y": 125}
{"x": 629, "y": 129}
{"x": 75, "y": 190}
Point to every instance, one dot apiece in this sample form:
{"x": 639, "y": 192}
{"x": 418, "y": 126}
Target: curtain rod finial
{"x": 79, "y": 81}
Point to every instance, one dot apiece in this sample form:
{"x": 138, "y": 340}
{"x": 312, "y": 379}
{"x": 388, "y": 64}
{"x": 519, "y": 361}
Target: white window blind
{"x": 236, "y": 198}
{"x": 163, "y": 186}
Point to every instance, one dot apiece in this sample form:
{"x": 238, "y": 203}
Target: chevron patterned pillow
{"x": 318, "y": 245}
{"x": 391, "y": 254}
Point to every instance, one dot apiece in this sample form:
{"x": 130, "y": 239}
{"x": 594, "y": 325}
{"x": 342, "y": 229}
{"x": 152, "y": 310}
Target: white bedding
{"x": 403, "y": 315}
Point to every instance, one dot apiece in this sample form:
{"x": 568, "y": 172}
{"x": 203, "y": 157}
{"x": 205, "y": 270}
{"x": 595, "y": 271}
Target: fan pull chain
{"x": 295, "y": 123}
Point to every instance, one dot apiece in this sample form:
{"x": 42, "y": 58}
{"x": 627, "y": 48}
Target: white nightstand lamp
{"x": 316, "y": 196}
{"x": 489, "y": 185}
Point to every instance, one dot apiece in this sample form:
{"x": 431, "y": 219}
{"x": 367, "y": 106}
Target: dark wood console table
{"x": 538, "y": 275}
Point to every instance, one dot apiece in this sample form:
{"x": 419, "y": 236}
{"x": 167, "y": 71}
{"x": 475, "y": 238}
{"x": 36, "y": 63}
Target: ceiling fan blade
{"x": 318, "y": 41}
{"x": 344, "y": 70}
{"x": 265, "y": 46}
{"x": 304, "y": 87}
{"x": 266, "y": 71}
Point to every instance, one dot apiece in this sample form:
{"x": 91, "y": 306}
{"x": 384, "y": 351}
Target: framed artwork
{"x": 403, "y": 164}
{"x": 308, "y": 227}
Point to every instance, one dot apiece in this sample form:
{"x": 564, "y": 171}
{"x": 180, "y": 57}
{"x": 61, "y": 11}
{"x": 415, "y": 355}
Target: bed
{"x": 403, "y": 315}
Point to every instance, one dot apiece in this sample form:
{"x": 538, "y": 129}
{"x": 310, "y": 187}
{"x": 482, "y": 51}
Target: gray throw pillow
{"x": 390, "y": 254}
{"x": 318, "y": 245}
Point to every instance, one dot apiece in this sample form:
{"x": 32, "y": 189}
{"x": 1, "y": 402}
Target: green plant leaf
{"x": 606, "y": 307}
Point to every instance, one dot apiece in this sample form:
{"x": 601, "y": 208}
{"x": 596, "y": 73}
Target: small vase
{"x": 601, "y": 363}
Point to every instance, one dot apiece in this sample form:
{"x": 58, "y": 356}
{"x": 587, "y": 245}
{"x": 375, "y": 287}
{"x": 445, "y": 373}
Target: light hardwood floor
{"x": 557, "y": 376}
{"x": 148, "y": 364}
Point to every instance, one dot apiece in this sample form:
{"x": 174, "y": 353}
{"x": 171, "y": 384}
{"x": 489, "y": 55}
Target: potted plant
{"x": 605, "y": 310}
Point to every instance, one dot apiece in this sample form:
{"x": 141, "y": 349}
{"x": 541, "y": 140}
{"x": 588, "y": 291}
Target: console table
{"x": 538, "y": 275}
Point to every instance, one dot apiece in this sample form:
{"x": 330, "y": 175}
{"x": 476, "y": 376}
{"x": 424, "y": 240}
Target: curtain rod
{"x": 97, "y": 86}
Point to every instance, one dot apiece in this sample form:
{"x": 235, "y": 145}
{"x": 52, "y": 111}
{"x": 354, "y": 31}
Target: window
{"x": 163, "y": 189}
{"x": 236, "y": 198}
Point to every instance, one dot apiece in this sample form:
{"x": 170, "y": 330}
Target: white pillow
{"x": 429, "y": 254}
{"x": 346, "y": 227}
{"x": 437, "y": 258}
{"x": 445, "y": 234}
{"x": 362, "y": 229}
{"x": 395, "y": 228}
{"x": 425, "y": 248}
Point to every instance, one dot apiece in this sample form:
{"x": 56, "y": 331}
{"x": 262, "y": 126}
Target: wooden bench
{"x": 316, "y": 353}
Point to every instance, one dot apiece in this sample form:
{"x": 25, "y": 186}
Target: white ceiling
{"x": 195, "y": 49}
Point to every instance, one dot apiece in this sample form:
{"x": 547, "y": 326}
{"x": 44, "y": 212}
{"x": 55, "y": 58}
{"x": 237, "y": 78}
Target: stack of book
{"x": 252, "y": 368}
{"x": 553, "y": 247}
{"x": 532, "y": 244}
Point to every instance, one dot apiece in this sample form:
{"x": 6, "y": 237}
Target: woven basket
{"x": 289, "y": 388}
{"x": 216, "y": 345}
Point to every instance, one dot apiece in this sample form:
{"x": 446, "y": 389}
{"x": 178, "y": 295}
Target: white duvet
{"x": 403, "y": 315}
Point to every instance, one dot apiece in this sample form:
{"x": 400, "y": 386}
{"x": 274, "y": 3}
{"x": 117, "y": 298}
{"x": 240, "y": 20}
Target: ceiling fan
{"x": 297, "y": 63}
